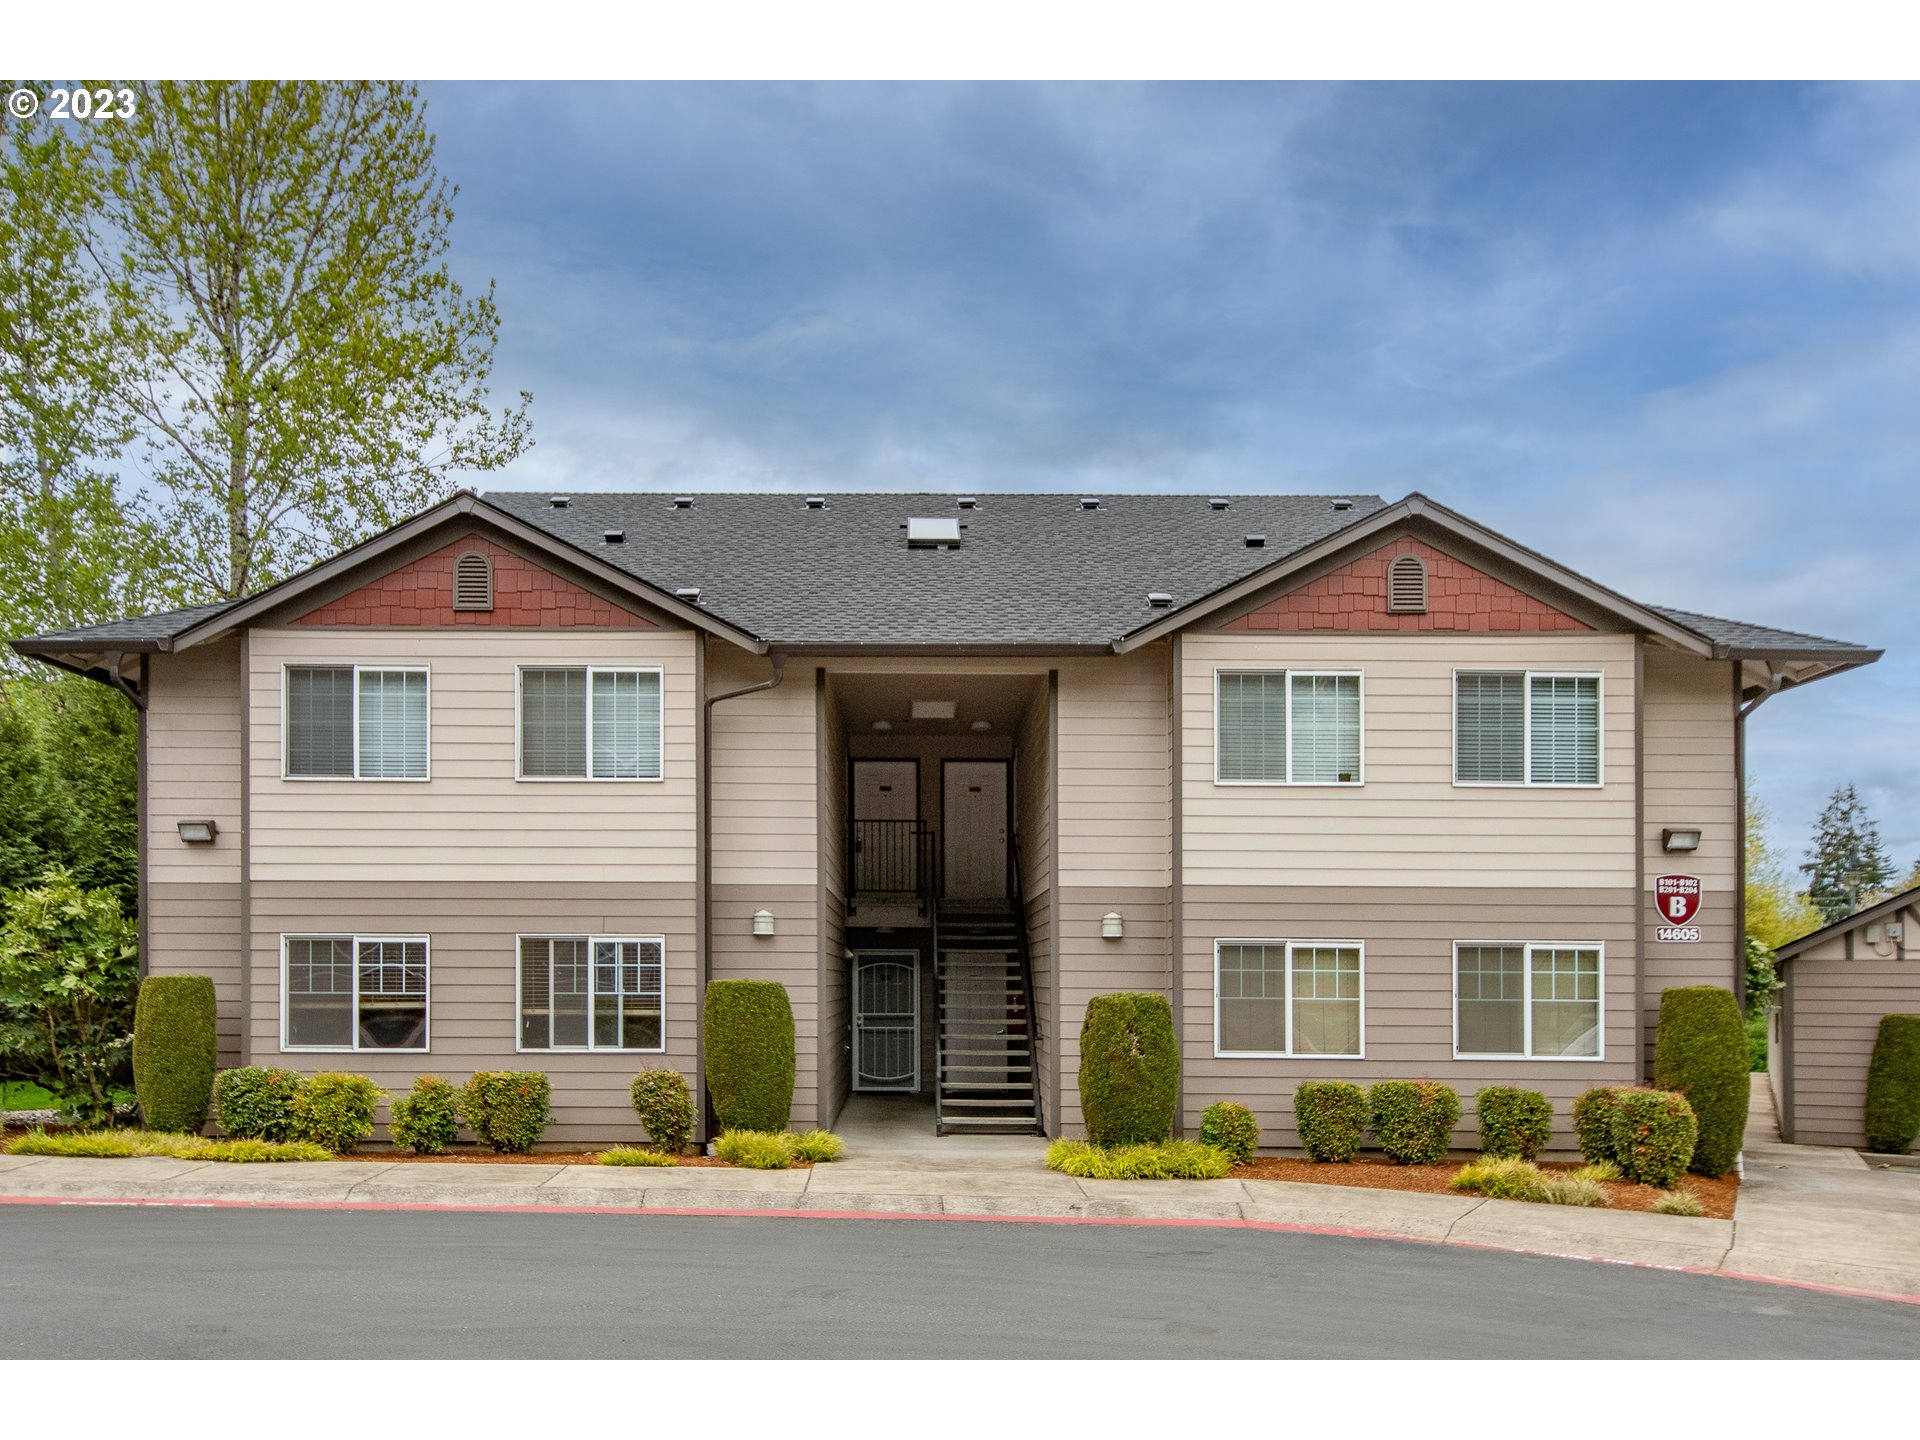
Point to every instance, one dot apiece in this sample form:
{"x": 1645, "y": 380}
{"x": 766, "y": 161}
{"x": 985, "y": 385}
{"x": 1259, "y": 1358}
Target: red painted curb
{"x": 1277, "y": 1226}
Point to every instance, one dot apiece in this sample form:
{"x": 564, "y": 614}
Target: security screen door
{"x": 886, "y": 1021}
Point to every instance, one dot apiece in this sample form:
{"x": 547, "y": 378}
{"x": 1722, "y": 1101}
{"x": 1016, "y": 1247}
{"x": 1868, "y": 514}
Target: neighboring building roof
{"x": 1760, "y": 640}
{"x": 140, "y": 632}
{"x": 1877, "y": 911}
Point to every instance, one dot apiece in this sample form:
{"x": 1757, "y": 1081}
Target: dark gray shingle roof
{"x": 141, "y": 630}
{"x": 1741, "y": 636}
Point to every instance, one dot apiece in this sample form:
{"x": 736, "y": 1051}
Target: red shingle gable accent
{"x": 1354, "y": 597}
{"x": 421, "y": 593}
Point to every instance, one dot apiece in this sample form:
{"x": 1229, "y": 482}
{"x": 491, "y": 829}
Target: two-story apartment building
{"x": 1364, "y": 789}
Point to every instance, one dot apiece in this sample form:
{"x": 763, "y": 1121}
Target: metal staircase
{"x": 983, "y": 984}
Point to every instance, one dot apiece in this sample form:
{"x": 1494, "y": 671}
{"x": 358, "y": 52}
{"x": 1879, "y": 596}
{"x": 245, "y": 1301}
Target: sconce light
{"x": 198, "y": 832}
{"x": 763, "y": 922}
{"x": 1111, "y": 926}
{"x": 1680, "y": 841}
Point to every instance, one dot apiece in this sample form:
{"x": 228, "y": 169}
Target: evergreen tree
{"x": 1846, "y": 862}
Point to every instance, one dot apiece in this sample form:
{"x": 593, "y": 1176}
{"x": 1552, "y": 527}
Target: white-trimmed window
{"x": 355, "y": 722}
{"x": 592, "y": 992}
{"x": 1526, "y": 727}
{"x": 353, "y": 992}
{"x": 1287, "y": 727}
{"x": 1528, "y": 1001}
{"x": 1289, "y": 997}
{"x": 589, "y": 722}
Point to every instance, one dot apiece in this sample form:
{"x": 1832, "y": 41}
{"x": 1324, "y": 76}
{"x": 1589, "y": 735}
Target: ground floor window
{"x": 1288, "y": 997}
{"x": 353, "y": 992}
{"x": 592, "y": 992}
{"x": 1528, "y": 1001}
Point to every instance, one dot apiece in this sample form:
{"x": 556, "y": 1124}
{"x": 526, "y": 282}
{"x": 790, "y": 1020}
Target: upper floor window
{"x": 1539, "y": 1002}
{"x": 352, "y": 722}
{"x": 1288, "y": 727}
{"x": 1515, "y": 727}
{"x": 590, "y": 722}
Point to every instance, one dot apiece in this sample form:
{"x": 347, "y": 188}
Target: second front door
{"x": 973, "y": 813}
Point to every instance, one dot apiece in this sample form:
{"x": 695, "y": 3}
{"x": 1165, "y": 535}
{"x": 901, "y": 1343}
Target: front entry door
{"x": 974, "y": 828}
{"x": 886, "y": 1020}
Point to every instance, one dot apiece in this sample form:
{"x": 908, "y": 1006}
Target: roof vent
{"x": 932, "y": 532}
{"x": 816, "y": 502}
{"x": 559, "y": 502}
{"x": 473, "y": 582}
{"x": 1159, "y": 600}
{"x": 614, "y": 537}
{"x": 1256, "y": 541}
{"x": 1218, "y": 502}
{"x": 1407, "y": 586}
{"x": 1342, "y": 503}
{"x": 689, "y": 593}
{"x": 967, "y": 502}
{"x": 683, "y": 502}
{"x": 1089, "y": 502}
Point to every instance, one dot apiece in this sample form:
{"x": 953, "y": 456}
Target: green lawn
{"x": 19, "y": 1095}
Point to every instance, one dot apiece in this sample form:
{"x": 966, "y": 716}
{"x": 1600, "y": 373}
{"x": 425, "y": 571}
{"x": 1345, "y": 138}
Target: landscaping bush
{"x": 426, "y": 1120}
{"x": 1679, "y": 1202}
{"x": 1700, "y": 1051}
{"x": 750, "y": 1063}
{"x": 1331, "y": 1116}
{"x": 255, "y": 1102}
{"x": 1230, "y": 1127}
{"x": 665, "y": 1106}
{"x": 1598, "y": 1170}
{"x": 1129, "y": 1068}
{"x": 174, "y": 1050}
{"x": 1513, "y": 1122}
{"x": 1654, "y": 1132}
{"x": 335, "y": 1109}
{"x": 1893, "y": 1086}
{"x": 1413, "y": 1119}
{"x": 1501, "y": 1178}
{"x": 1593, "y": 1124}
{"x": 1164, "y": 1160}
{"x": 1570, "y": 1190}
{"x": 506, "y": 1109}
{"x": 634, "y": 1155}
{"x": 816, "y": 1146}
{"x": 119, "y": 1144}
{"x": 755, "y": 1149}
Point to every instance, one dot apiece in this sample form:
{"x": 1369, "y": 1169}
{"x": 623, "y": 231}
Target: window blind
{"x": 1566, "y": 730}
{"x": 320, "y": 720}
{"x": 1566, "y": 1001}
{"x": 626, "y": 724}
{"x": 1253, "y": 726}
{"x": 319, "y": 991}
{"x": 393, "y": 725}
{"x": 1489, "y": 728}
{"x": 553, "y": 722}
{"x": 1252, "y": 981}
{"x": 1491, "y": 988}
{"x": 1326, "y": 1000}
{"x": 1326, "y": 729}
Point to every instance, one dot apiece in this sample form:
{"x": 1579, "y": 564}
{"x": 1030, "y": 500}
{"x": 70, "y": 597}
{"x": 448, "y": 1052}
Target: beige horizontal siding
{"x": 835, "y": 981}
{"x": 193, "y": 928}
{"x": 193, "y": 764}
{"x": 765, "y": 802}
{"x": 1034, "y": 784}
{"x": 791, "y": 955}
{"x": 1408, "y": 824}
{"x": 1836, "y": 1008}
{"x": 1091, "y": 965}
{"x": 473, "y": 820}
{"x": 473, "y": 1012}
{"x": 1115, "y": 821}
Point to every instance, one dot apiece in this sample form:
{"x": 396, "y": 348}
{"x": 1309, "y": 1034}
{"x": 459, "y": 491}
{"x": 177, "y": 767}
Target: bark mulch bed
{"x": 1374, "y": 1173}
{"x": 558, "y": 1157}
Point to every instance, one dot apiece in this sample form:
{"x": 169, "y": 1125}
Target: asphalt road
{"x": 161, "y": 1283}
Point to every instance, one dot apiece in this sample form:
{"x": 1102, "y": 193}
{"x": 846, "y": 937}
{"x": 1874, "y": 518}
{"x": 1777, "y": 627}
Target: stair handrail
{"x": 1026, "y": 980}
{"x": 930, "y": 873}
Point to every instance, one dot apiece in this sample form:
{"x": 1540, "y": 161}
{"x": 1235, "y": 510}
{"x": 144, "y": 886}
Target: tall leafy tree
{"x": 1846, "y": 862}
{"x": 305, "y": 369}
{"x": 1776, "y": 911}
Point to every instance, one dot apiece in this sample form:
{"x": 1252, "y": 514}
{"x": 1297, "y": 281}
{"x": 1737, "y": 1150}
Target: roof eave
{"x": 1891, "y": 905}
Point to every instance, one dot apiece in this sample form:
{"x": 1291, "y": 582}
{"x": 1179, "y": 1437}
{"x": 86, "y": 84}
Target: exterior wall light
{"x": 198, "y": 832}
{"x": 763, "y": 922}
{"x": 1679, "y": 841}
{"x": 1111, "y": 926}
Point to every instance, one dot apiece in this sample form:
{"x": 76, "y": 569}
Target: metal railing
{"x": 892, "y": 859}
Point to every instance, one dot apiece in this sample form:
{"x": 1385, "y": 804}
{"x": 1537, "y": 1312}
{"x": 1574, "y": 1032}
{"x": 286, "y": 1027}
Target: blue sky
{"x": 1668, "y": 334}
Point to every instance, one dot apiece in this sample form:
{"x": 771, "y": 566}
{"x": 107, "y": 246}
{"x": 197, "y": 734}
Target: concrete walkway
{"x": 1812, "y": 1217}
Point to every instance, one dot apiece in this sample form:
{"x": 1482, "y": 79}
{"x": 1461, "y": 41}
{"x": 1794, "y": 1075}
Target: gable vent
{"x": 1407, "y": 586}
{"x": 1217, "y": 503}
{"x": 1089, "y": 502}
{"x": 1256, "y": 541}
{"x": 473, "y": 582}
{"x": 560, "y": 502}
{"x": 614, "y": 537}
{"x": 683, "y": 502}
{"x": 1159, "y": 600}
{"x": 816, "y": 502}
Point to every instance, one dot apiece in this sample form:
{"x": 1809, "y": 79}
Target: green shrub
{"x": 1331, "y": 1116}
{"x": 755, "y": 1149}
{"x": 119, "y": 1144}
{"x": 255, "y": 1102}
{"x": 1893, "y": 1086}
{"x": 1413, "y": 1119}
{"x": 426, "y": 1120}
{"x": 665, "y": 1106}
{"x": 1513, "y": 1122}
{"x": 174, "y": 1050}
{"x": 506, "y": 1109}
{"x": 246, "y": 1152}
{"x": 1679, "y": 1202}
{"x": 335, "y": 1109}
{"x": 1599, "y": 1171}
{"x": 1654, "y": 1132}
{"x": 750, "y": 1066}
{"x": 1129, "y": 1068}
{"x": 1570, "y": 1190}
{"x": 1164, "y": 1160}
{"x": 87, "y": 1144}
{"x": 1501, "y": 1178}
{"x": 817, "y": 1147}
{"x": 1593, "y": 1124}
{"x": 634, "y": 1155}
{"x": 1701, "y": 1052}
{"x": 1230, "y": 1127}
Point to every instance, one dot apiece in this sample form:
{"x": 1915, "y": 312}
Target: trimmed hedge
{"x": 665, "y": 1106}
{"x": 1129, "y": 1068}
{"x": 755, "y": 1149}
{"x": 426, "y": 1120}
{"x": 1701, "y": 1051}
{"x": 1893, "y": 1086}
{"x": 255, "y": 1102}
{"x": 335, "y": 1109}
{"x": 1593, "y": 1124}
{"x": 174, "y": 1051}
{"x": 750, "y": 1063}
{"x": 1230, "y": 1127}
{"x": 1159, "y": 1160}
{"x": 1654, "y": 1134}
{"x": 1331, "y": 1116}
{"x": 506, "y": 1109}
{"x": 1413, "y": 1119}
{"x": 1514, "y": 1124}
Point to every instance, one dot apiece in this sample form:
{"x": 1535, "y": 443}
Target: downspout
{"x": 706, "y": 859}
